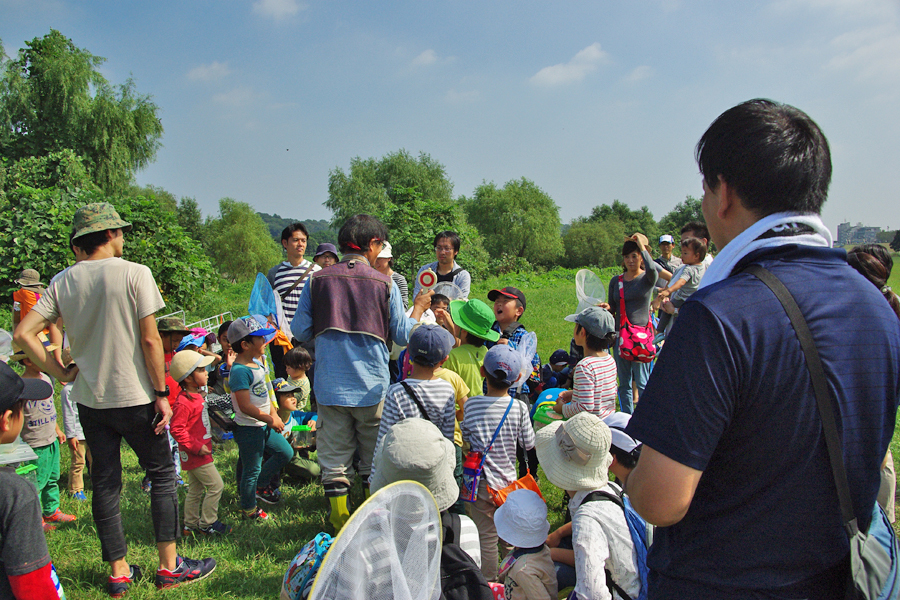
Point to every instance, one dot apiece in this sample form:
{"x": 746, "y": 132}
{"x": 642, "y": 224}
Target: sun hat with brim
{"x": 415, "y": 449}
{"x": 575, "y": 453}
{"x": 324, "y": 249}
{"x": 98, "y": 216}
{"x": 31, "y": 279}
{"x": 186, "y": 362}
{"x": 522, "y": 520}
{"x": 386, "y": 251}
{"x": 190, "y": 340}
{"x": 476, "y": 317}
{"x": 171, "y": 325}
{"x": 13, "y": 388}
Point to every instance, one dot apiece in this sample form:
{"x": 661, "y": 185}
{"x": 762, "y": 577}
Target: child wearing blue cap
{"x": 485, "y": 415}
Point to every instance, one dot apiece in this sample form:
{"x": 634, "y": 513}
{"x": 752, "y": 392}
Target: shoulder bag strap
{"x": 415, "y": 397}
{"x": 824, "y": 399}
{"x": 623, "y": 315}
{"x": 497, "y": 431}
{"x": 298, "y": 281}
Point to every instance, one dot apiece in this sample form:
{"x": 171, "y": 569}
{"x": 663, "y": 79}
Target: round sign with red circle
{"x": 427, "y": 279}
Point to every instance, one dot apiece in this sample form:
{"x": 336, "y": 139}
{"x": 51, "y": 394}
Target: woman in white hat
{"x": 575, "y": 457}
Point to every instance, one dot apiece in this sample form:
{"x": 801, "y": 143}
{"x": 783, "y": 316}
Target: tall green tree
{"x": 594, "y": 243}
{"x": 53, "y": 98}
{"x": 519, "y": 220}
{"x": 239, "y": 242}
{"x": 684, "y": 212}
{"x": 895, "y": 243}
{"x": 413, "y": 197}
{"x": 641, "y": 221}
{"x": 190, "y": 218}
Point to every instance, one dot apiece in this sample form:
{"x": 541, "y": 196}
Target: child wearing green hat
{"x": 474, "y": 319}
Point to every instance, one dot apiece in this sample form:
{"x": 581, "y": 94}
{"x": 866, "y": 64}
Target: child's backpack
{"x": 302, "y": 571}
{"x": 637, "y": 526}
{"x": 461, "y": 579}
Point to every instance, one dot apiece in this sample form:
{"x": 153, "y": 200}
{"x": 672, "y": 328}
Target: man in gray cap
{"x": 109, "y": 305}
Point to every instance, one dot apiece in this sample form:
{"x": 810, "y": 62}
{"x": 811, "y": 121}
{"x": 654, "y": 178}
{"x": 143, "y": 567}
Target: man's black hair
{"x": 357, "y": 233}
{"x": 630, "y": 246}
{"x": 626, "y": 459}
{"x": 89, "y": 242}
{"x": 597, "y": 343}
{"x": 449, "y": 235}
{"x": 773, "y": 155}
{"x": 290, "y": 229}
{"x": 298, "y": 358}
{"x": 440, "y": 298}
{"x": 697, "y": 228}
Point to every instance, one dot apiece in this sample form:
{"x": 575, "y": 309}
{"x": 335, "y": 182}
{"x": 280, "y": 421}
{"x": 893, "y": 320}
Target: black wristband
{"x": 162, "y": 394}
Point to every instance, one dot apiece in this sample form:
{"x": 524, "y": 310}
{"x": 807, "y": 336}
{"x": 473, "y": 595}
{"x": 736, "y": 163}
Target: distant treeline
{"x": 320, "y": 232}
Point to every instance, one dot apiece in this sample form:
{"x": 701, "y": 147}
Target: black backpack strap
{"x": 415, "y": 397}
{"x": 611, "y": 586}
{"x": 452, "y": 527}
{"x": 510, "y": 329}
{"x": 600, "y": 495}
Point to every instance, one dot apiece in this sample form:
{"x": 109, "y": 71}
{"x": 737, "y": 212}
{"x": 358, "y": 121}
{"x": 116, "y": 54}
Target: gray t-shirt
{"x": 691, "y": 274}
{"x": 102, "y": 303}
{"x": 39, "y": 420}
{"x": 638, "y": 293}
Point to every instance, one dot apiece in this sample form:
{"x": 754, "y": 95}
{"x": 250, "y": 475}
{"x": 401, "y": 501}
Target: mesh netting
{"x": 389, "y": 550}
{"x": 589, "y": 290}
{"x": 451, "y": 290}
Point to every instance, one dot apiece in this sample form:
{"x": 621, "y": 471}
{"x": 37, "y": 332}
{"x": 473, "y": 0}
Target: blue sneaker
{"x": 217, "y": 528}
{"x": 188, "y": 570}
{"x": 146, "y": 485}
{"x": 117, "y": 586}
{"x": 79, "y": 496}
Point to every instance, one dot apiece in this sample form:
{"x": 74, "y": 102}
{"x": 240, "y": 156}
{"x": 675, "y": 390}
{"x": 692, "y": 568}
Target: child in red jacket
{"x": 190, "y": 428}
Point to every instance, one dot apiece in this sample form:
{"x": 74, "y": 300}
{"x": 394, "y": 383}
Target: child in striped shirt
{"x": 594, "y": 379}
{"x": 483, "y": 414}
{"x": 423, "y": 394}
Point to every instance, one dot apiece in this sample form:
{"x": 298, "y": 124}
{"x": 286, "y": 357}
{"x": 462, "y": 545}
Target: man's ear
{"x": 5, "y": 421}
{"x": 284, "y": 244}
{"x": 727, "y": 197}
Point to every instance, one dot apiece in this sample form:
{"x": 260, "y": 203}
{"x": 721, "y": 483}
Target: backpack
{"x": 461, "y": 579}
{"x": 635, "y": 341}
{"x": 302, "y": 571}
{"x": 637, "y": 526}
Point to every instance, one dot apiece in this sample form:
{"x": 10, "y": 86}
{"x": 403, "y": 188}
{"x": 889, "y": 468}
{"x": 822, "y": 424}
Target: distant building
{"x": 856, "y": 234}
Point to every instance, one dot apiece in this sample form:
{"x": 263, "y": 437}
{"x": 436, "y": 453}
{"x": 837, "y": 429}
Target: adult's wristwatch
{"x": 162, "y": 394}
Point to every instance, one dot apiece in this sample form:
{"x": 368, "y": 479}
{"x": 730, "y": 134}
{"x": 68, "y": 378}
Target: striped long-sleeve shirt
{"x": 436, "y": 395}
{"x": 482, "y": 415}
{"x": 283, "y": 276}
{"x": 594, "y": 387}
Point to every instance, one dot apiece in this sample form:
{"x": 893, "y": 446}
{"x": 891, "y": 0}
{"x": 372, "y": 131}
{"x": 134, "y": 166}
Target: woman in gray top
{"x": 638, "y": 281}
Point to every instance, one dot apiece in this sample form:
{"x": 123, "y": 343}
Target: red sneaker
{"x": 59, "y": 517}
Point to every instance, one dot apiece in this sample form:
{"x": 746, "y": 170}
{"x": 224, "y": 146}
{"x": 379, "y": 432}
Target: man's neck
{"x": 358, "y": 257}
{"x": 295, "y": 261}
{"x": 102, "y": 252}
{"x": 443, "y": 269}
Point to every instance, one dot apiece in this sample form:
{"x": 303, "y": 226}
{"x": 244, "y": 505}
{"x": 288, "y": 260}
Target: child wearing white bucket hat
{"x": 575, "y": 456}
{"x": 527, "y": 572}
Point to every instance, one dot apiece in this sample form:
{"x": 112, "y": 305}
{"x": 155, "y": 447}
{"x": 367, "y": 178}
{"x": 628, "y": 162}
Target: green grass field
{"x": 252, "y": 560}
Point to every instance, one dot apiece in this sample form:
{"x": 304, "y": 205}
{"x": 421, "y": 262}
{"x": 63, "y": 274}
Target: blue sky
{"x": 593, "y": 101}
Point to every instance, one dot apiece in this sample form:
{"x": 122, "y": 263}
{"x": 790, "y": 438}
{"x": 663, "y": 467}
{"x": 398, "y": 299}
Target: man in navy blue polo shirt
{"x": 734, "y": 468}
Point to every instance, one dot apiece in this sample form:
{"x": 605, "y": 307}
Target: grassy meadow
{"x": 252, "y": 560}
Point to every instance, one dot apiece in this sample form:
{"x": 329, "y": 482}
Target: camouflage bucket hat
{"x": 98, "y": 216}
{"x": 171, "y": 325}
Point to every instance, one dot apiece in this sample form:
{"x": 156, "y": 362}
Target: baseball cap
{"x": 509, "y": 292}
{"x": 560, "y": 357}
{"x": 617, "y": 422}
{"x": 190, "y": 340}
{"x": 98, "y": 216}
{"x": 241, "y": 328}
{"x": 666, "y": 238}
{"x": 186, "y": 362}
{"x": 431, "y": 343}
{"x": 13, "y": 388}
{"x": 324, "y": 249}
{"x": 281, "y": 386}
{"x": 504, "y": 363}
{"x": 597, "y": 321}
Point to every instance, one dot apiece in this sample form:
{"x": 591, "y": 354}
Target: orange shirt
{"x": 26, "y": 299}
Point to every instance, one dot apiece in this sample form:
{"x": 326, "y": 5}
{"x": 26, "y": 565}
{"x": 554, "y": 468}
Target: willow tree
{"x": 53, "y": 98}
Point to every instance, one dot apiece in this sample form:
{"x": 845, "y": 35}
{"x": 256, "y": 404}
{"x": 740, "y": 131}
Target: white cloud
{"x": 870, "y": 53}
{"x": 586, "y": 61}
{"x": 240, "y": 96}
{"x": 455, "y": 97}
{"x": 214, "y": 71}
{"x": 639, "y": 74}
{"x": 277, "y": 9}
{"x": 426, "y": 58}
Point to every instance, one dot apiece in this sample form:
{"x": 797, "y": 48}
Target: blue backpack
{"x": 637, "y": 526}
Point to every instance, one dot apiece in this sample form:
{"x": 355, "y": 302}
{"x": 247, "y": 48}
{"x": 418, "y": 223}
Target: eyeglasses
{"x": 444, "y": 248}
